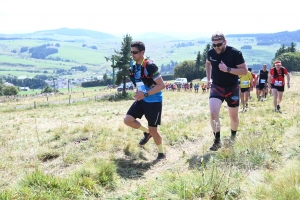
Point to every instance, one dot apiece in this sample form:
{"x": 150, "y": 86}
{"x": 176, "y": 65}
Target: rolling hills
{"x": 86, "y": 47}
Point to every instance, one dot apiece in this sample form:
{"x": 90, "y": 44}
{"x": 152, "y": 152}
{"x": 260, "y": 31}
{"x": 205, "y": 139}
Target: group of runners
{"x": 265, "y": 82}
{"x": 228, "y": 79}
{"x": 186, "y": 87}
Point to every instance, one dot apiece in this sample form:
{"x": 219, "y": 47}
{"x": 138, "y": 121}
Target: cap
{"x": 217, "y": 36}
{"x": 277, "y": 62}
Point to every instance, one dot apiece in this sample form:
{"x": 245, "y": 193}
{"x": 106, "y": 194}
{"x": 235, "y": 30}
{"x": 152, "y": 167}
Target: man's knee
{"x": 128, "y": 120}
{"x": 234, "y": 118}
{"x": 214, "y": 114}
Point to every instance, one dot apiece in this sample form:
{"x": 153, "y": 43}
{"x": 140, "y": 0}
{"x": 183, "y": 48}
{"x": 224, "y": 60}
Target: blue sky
{"x": 119, "y": 17}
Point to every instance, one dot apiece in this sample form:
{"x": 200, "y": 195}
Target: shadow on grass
{"x": 131, "y": 168}
{"x": 197, "y": 161}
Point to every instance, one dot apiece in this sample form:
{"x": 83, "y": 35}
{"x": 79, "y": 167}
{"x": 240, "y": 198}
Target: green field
{"x": 160, "y": 52}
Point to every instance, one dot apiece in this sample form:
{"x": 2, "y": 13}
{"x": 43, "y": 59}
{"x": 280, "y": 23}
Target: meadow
{"x": 83, "y": 150}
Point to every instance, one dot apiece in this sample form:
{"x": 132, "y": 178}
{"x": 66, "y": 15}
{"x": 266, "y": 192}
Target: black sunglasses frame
{"x": 219, "y": 44}
{"x": 135, "y": 52}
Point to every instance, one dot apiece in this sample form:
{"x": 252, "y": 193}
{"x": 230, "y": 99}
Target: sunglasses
{"x": 219, "y": 44}
{"x": 134, "y": 52}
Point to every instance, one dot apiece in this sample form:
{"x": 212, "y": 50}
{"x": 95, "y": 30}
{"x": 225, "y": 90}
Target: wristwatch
{"x": 228, "y": 69}
{"x": 146, "y": 94}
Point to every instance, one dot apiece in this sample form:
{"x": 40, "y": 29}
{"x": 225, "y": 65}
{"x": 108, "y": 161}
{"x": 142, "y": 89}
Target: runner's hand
{"x": 139, "y": 96}
{"x": 223, "y": 67}
{"x": 208, "y": 84}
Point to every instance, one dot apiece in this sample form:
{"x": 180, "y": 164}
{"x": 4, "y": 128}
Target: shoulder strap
{"x": 146, "y": 61}
{"x": 132, "y": 73}
{"x": 275, "y": 72}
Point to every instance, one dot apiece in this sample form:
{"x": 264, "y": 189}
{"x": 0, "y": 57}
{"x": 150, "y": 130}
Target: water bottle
{"x": 140, "y": 86}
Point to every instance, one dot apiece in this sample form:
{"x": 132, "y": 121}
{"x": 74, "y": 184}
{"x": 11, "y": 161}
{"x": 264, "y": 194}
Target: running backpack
{"x": 143, "y": 72}
{"x": 276, "y": 73}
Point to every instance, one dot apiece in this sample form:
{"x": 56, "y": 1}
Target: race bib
{"x": 245, "y": 82}
{"x": 262, "y": 80}
{"x": 140, "y": 87}
{"x": 278, "y": 83}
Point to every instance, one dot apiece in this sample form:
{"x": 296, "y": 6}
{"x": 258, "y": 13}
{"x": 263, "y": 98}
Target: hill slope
{"x": 68, "y": 32}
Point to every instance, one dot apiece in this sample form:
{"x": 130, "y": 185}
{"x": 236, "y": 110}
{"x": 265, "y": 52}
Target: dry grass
{"x": 69, "y": 141}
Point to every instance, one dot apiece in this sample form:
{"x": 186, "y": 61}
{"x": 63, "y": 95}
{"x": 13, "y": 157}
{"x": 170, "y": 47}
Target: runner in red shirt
{"x": 276, "y": 79}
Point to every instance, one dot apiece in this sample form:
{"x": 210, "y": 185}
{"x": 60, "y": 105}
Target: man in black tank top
{"x": 223, "y": 66}
{"x": 262, "y": 79}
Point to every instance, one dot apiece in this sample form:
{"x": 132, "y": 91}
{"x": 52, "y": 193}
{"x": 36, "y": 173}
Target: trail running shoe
{"x": 278, "y": 107}
{"x": 232, "y": 140}
{"x": 216, "y": 145}
{"x": 145, "y": 139}
{"x": 160, "y": 157}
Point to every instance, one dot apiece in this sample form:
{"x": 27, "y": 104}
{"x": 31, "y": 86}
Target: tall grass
{"x": 83, "y": 150}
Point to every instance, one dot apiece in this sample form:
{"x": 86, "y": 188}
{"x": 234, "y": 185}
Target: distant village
{"x": 57, "y": 83}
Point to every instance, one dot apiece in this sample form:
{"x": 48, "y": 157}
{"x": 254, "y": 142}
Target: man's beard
{"x": 222, "y": 50}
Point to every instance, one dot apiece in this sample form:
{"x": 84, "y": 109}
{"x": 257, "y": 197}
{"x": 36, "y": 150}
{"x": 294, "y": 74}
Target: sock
{"x": 160, "y": 148}
{"x": 144, "y": 129}
{"x": 217, "y": 135}
{"x": 233, "y": 133}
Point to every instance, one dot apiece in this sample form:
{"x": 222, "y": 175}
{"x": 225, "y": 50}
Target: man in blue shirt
{"x": 148, "y": 96}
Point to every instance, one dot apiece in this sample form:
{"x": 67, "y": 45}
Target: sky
{"x": 120, "y": 17}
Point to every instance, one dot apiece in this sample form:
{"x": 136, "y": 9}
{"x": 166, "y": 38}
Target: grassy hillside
{"x": 83, "y": 150}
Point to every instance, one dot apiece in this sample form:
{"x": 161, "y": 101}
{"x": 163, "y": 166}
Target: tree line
{"x": 289, "y": 57}
{"x": 193, "y": 69}
{"x": 168, "y": 68}
{"x": 32, "y": 83}
{"x": 7, "y": 90}
{"x": 103, "y": 82}
{"x": 41, "y": 52}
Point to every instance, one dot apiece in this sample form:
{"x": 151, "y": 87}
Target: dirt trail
{"x": 180, "y": 157}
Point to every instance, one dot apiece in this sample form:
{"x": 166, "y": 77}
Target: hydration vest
{"x": 143, "y": 72}
{"x": 276, "y": 73}
{"x": 263, "y": 75}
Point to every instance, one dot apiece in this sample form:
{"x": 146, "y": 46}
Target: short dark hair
{"x": 249, "y": 69}
{"x": 139, "y": 45}
{"x": 217, "y": 36}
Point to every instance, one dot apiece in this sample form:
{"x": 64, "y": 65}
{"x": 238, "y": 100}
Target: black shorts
{"x": 244, "y": 90}
{"x": 278, "y": 88}
{"x": 152, "y": 111}
{"x": 262, "y": 86}
{"x": 231, "y": 94}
